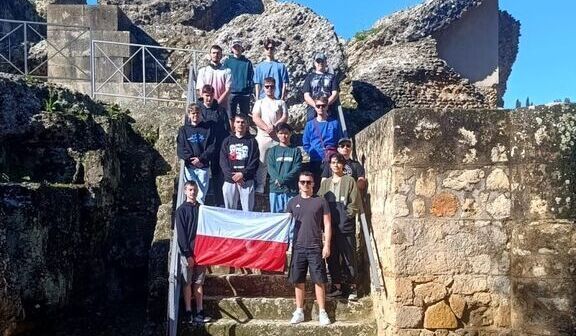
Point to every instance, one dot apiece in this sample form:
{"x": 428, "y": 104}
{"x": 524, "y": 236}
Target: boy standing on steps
{"x": 239, "y": 157}
{"x": 342, "y": 195}
{"x": 311, "y": 216}
{"x": 186, "y": 224}
{"x": 284, "y": 164}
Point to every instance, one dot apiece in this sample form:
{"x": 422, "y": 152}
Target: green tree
{"x": 518, "y": 104}
{"x": 567, "y": 100}
{"x": 527, "y": 101}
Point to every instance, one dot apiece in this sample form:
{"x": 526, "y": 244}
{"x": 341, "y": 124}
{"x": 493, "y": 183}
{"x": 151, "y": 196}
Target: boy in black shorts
{"x": 186, "y": 224}
{"x": 311, "y": 216}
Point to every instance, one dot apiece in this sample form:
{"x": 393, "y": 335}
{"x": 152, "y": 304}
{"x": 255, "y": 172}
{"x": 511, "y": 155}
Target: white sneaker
{"x": 297, "y": 317}
{"x": 323, "y": 318}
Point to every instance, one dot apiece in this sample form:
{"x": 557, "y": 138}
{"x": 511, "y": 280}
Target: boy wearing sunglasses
{"x": 267, "y": 113}
{"x": 351, "y": 167}
{"x": 311, "y": 216}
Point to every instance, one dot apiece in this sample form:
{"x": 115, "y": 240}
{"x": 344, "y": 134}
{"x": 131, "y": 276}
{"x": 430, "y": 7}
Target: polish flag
{"x": 235, "y": 238}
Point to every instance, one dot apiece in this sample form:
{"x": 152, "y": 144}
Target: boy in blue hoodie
{"x": 242, "y": 76}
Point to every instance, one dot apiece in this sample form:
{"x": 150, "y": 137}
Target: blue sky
{"x": 545, "y": 68}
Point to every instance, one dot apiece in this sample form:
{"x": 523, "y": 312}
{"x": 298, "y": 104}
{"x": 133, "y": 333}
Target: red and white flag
{"x": 236, "y": 238}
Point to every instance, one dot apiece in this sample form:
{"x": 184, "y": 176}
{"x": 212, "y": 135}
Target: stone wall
{"x": 472, "y": 217}
{"x": 79, "y": 201}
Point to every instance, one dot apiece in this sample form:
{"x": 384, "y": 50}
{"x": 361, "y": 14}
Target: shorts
{"x": 195, "y": 276}
{"x": 304, "y": 260}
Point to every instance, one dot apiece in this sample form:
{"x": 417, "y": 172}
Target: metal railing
{"x": 146, "y": 67}
{"x": 174, "y": 279}
{"x": 20, "y": 40}
{"x": 368, "y": 237}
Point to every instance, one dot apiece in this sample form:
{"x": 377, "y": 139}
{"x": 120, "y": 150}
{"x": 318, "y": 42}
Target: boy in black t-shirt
{"x": 311, "y": 216}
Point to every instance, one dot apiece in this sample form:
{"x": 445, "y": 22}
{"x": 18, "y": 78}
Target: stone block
{"x": 544, "y": 190}
{"x": 440, "y": 316}
{"x": 544, "y": 306}
{"x": 433, "y": 138}
{"x": 445, "y": 204}
{"x": 408, "y": 317}
{"x": 543, "y": 250}
{"x": 544, "y": 135}
{"x": 76, "y": 42}
{"x": 430, "y": 292}
{"x": 442, "y": 246}
{"x": 96, "y": 17}
{"x": 457, "y": 304}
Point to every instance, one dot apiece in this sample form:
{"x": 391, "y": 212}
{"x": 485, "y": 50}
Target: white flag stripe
{"x": 228, "y": 223}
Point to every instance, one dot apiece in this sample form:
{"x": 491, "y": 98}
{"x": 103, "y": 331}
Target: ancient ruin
{"x": 470, "y": 205}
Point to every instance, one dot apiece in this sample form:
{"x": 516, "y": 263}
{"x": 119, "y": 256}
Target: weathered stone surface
{"x": 439, "y": 316}
{"x": 409, "y": 317}
{"x": 447, "y": 146}
{"x": 426, "y": 184}
{"x": 430, "y": 292}
{"x": 400, "y": 206}
{"x": 457, "y": 304}
{"x": 500, "y": 208}
{"x": 419, "y": 208}
{"x": 543, "y": 306}
{"x": 463, "y": 179}
{"x": 444, "y": 205}
{"x": 407, "y": 47}
{"x": 497, "y": 180}
{"x": 203, "y": 14}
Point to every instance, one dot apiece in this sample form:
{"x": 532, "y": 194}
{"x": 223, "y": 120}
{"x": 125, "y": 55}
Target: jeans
{"x": 200, "y": 176}
{"x": 278, "y": 201}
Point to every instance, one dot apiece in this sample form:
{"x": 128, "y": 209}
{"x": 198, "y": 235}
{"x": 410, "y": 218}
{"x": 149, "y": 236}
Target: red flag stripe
{"x": 259, "y": 254}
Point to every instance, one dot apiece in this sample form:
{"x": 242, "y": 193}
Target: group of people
{"x": 323, "y": 195}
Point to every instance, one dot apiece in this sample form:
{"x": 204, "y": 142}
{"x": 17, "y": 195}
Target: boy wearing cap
{"x": 242, "y": 79}
{"x": 271, "y": 68}
{"x": 284, "y": 164}
{"x": 267, "y": 113}
{"x": 351, "y": 167}
{"x": 320, "y": 83}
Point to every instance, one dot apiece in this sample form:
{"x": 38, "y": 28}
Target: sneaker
{"x": 353, "y": 296}
{"x": 201, "y": 317}
{"x": 334, "y": 292}
{"x": 323, "y": 318}
{"x": 188, "y": 318}
{"x": 297, "y": 317}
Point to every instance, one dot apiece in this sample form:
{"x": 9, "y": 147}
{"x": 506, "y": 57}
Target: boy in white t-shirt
{"x": 266, "y": 114}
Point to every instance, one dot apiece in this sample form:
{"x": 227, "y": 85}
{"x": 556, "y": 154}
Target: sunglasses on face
{"x": 305, "y": 182}
{"x": 269, "y": 48}
{"x": 345, "y": 146}
{"x": 269, "y": 86}
{"x": 320, "y": 106}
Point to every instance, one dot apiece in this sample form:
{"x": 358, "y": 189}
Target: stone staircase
{"x": 249, "y": 304}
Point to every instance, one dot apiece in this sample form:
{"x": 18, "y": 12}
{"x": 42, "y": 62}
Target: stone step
{"x": 226, "y": 327}
{"x": 251, "y": 285}
{"x": 245, "y": 309}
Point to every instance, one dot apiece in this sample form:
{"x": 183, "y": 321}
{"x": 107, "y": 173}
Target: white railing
{"x": 145, "y": 70}
{"x": 20, "y": 39}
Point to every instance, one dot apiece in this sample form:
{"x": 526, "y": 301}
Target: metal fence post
{"x": 92, "y": 67}
{"x": 144, "y": 73}
{"x": 26, "y": 48}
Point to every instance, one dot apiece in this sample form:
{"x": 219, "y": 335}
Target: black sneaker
{"x": 334, "y": 292}
{"x": 188, "y": 318}
{"x": 202, "y": 318}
